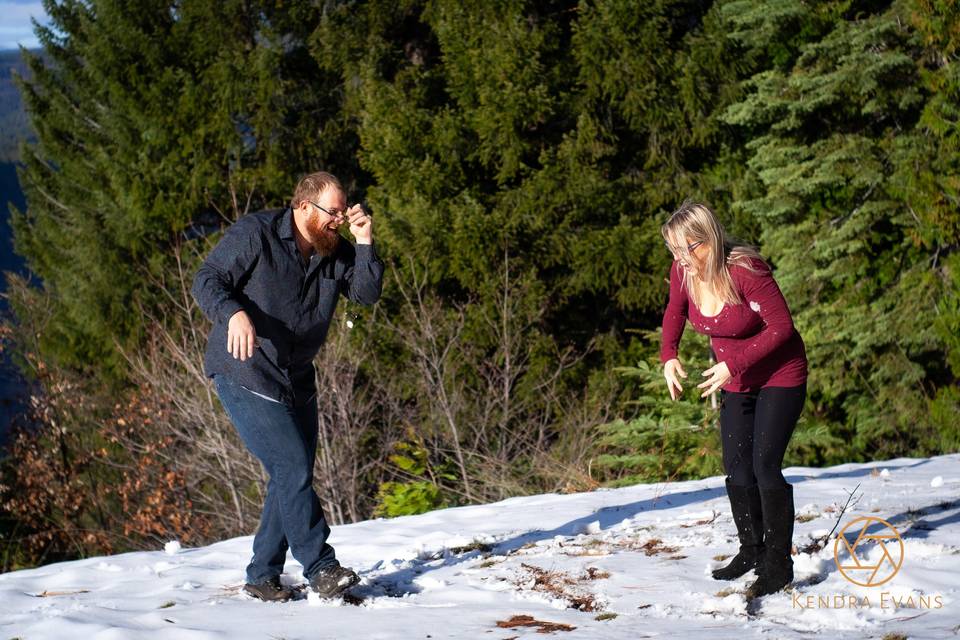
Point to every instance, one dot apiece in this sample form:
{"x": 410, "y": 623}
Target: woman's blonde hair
{"x": 697, "y": 221}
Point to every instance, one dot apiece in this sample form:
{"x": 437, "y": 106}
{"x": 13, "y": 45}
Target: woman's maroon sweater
{"x": 756, "y": 338}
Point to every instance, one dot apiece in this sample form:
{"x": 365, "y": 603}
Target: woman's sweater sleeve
{"x": 675, "y": 316}
{"x": 761, "y": 293}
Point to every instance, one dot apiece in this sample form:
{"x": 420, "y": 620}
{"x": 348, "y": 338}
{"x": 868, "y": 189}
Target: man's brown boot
{"x": 269, "y": 591}
{"x": 333, "y": 580}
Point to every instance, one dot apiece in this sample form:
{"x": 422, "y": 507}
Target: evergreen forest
{"x": 519, "y": 158}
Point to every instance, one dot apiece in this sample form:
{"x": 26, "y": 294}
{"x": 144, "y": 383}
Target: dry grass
{"x": 655, "y": 546}
{"x": 529, "y": 621}
{"x": 700, "y": 523}
{"x": 596, "y": 574}
{"x": 562, "y": 586}
{"x": 476, "y": 545}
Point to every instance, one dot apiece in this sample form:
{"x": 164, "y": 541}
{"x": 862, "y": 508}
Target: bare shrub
{"x": 490, "y": 389}
{"x": 80, "y": 478}
{"x": 359, "y": 420}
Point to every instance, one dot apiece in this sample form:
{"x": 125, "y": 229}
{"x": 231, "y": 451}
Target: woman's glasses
{"x": 690, "y": 247}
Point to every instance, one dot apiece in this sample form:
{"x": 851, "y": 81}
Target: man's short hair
{"x": 312, "y": 185}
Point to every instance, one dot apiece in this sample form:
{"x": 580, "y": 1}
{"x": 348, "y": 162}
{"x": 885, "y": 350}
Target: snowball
{"x": 885, "y": 473}
{"x": 429, "y": 583}
{"x": 591, "y": 527}
{"x": 937, "y": 482}
{"x": 172, "y": 547}
{"x": 349, "y": 324}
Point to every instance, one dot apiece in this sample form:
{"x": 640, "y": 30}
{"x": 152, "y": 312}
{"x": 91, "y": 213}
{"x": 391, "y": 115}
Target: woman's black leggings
{"x": 755, "y": 428}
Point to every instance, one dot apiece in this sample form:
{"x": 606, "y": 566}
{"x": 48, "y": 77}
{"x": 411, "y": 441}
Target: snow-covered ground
{"x": 621, "y": 563}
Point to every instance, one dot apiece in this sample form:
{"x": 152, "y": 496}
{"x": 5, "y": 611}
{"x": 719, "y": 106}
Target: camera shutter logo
{"x": 868, "y": 534}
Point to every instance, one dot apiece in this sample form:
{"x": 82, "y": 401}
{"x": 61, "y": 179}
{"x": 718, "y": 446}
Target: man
{"x": 270, "y": 288}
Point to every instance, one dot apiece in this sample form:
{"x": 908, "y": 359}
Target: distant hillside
{"x": 14, "y": 125}
{"x": 11, "y": 193}
{"x": 14, "y": 128}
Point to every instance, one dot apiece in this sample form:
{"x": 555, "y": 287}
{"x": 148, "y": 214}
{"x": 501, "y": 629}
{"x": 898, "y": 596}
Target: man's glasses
{"x": 342, "y": 215}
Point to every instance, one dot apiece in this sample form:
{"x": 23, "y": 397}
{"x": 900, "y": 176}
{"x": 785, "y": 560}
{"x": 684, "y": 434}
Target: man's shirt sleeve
{"x": 363, "y": 277}
{"x": 215, "y": 284}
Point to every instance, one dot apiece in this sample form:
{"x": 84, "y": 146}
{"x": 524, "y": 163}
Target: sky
{"x": 15, "y": 26}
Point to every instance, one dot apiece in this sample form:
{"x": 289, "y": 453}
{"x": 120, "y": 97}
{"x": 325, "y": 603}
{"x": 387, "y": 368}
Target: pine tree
{"x": 849, "y": 184}
{"x": 155, "y": 122}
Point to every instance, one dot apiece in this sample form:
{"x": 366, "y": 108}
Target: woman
{"x": 727, "y": 292}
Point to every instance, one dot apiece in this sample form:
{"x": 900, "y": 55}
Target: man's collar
{"x": 286, "y": 225}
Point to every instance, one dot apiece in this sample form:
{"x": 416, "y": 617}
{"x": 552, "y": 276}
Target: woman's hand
{"x": 718, "y": 376}
{"x": 671, "y": 370}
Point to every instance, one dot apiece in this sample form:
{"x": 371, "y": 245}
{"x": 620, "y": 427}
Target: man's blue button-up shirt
{"x": 257, "y": 267}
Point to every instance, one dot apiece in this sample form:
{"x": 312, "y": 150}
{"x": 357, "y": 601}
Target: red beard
{"x": 323, "y": 241}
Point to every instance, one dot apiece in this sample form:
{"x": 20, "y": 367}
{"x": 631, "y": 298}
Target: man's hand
{"x": 671, "y": 370}
{"x": 361, "y": 225}
{"x": 718, "y": 376}
{"x": 241, "y": 336}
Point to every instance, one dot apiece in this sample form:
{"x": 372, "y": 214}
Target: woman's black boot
{"x": 746, "y": 507}
{"x": 778, "y": 515}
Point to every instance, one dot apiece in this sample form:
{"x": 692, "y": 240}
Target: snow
{"x": 620, "y": 563}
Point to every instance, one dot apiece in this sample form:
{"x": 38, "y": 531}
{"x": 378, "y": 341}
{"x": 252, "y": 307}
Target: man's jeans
{"x": 284, "y": 439}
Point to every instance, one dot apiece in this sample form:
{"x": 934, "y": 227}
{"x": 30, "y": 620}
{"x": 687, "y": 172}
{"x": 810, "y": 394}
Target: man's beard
{"x": 323, "y": 242}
